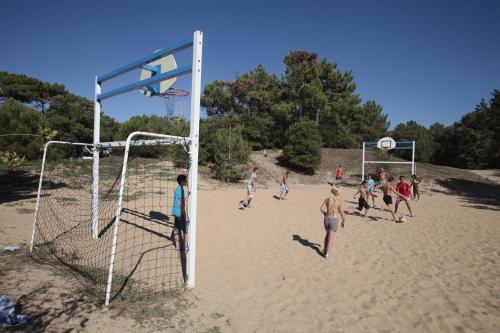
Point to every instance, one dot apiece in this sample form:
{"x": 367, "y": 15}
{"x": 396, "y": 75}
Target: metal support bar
{"x": 150, "y": 58}
{"x": 95, "y": 164}
{"x": 387, "y": 162}
{"x": 193, "y": 172}
{"x": 146, "y": 82}
{"x": 172, "y": 140}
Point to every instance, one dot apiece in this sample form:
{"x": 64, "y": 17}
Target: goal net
{"x": 146, "y": 262}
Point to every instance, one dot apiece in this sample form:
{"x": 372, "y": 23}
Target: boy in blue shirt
{"x": 371, "y": 188}
{"x": 179, "y": 211}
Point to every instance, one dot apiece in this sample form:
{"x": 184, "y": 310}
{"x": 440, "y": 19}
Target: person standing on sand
{"x": 414, "y": 185}
{"x": 179, "y": 211}
{"x": 363, "y": 198}
{"x": 251, "y": 189}
{"x": 387, "y": 188}
{"x": 339, "y": 175}
{"x": 371, "y": 188}
{"x": 404, "y": 188}
{"x": 332, "y": 208}
{"x": 284, "y": 186}
{"x": 382, "y": 176}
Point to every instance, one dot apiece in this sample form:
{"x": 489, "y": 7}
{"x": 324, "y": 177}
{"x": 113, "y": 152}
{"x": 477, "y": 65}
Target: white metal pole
{"x": 193, "y": 172}
{"x": 363, "y": 165}
{"x": 37, "y": 207}
{"x": 95, "y": 166}
{"x": 413, "y": 159}
{"x": 117, "y": 220}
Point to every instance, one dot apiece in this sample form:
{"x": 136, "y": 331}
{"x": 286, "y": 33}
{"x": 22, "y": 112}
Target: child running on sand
{"x": 403, "y": 188}
{"x": 332, "y": 208}
{"x": 414, "y": 185}
{"x": 284, "y": 186}
{"x": 363, "y": 197}
{"x": 339, "y": 175}
{"x": 251, "y": 189}
{"x": 387, "y": 188}
{"x": 371, "y": 188}
{"x": 179, "y": 211}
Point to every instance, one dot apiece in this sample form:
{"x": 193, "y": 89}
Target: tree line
{"x": 311, "y": 105}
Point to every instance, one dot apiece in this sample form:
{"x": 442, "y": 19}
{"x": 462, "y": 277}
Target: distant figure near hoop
{"x": 332, "y": 208}
{"x": 251, "y": 189}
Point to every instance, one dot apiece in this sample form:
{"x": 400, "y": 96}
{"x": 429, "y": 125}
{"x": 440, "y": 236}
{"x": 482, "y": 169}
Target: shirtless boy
{"x": 332, "y": 208}
{"x": 387, "y": 189}
{"x": 363, "y": 198}
{"x": 404, "y": 188}
{"x": 251, "y": 189}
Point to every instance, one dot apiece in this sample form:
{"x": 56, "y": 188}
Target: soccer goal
{"x": 107, "y": 219}
{"x": 383, "y": 145}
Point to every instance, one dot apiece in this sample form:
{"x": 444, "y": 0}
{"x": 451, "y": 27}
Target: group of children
{"x": 402, "y": 191}
{"x": 332, "y": 208}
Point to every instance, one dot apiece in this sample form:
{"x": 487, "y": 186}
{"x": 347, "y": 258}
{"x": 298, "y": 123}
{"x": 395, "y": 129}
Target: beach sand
{"x": 260, "y": 269}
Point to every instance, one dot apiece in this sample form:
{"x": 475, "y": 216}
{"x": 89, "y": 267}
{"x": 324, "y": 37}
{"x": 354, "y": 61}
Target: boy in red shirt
{"x": 403, "y": 188}
{"x": 339, "y": 175}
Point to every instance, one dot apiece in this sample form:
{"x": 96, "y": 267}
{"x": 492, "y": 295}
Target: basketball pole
{"x": 95, "y": 165}
{"x": 193, "y": 152}
{"x": 363, "y": 165}
{"x": 413, "y": 158}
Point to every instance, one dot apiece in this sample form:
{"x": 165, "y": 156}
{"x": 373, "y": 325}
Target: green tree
{"x": 303, "y": 150}
{"x": 29, "y": 90}
{"x": 17, "y": 118}
{"x": 412, "y": 131}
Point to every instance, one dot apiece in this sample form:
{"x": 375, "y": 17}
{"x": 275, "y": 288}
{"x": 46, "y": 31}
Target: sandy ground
{"x": 260, "y": 270}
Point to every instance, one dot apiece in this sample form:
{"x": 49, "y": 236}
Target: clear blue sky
{"x": 421, "y": 60}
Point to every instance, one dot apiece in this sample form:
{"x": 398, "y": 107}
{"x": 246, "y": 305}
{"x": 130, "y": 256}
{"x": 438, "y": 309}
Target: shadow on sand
{"x": 306, "y": 243}
{"x": 478, "y": 194}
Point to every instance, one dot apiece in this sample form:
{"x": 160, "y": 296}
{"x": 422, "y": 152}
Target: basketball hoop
{"x": 175, "y": 102}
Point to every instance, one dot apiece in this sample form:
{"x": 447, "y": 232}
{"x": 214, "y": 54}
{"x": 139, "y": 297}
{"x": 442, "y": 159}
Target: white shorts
{"x": 250, "y": 191}
{"x": 283, "y": 188}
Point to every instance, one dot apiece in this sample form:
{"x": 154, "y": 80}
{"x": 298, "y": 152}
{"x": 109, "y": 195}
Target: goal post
{"x": 387, "y": 143}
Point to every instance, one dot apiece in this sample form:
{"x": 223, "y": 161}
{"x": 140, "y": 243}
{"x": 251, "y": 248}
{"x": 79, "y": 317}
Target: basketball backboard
{"x": 386, "y": 143}
{"x": 159, "y": 66}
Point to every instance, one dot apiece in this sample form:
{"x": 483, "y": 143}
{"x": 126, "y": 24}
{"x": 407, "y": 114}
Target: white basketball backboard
{"x": 164, "y": 64}
{"x": 386, "y": 143}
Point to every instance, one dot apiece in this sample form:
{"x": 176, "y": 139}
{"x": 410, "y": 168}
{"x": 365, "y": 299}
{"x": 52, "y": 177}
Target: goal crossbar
{"x": 400, "y": 145}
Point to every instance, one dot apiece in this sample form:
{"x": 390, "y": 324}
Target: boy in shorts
{"x": 339, "y": 175}
{"x": 179, "y": 211}
{"x": 332, "y": 208}
{"x": 284, "y": 186}
{"x": 363, "y": 197}
{"x": 414, "y": 185}
{"x": 251, "y": 189}
{"x": 403, "y": 188}
{"x": 387, "y": 189}
{"x": 371, "y": 188}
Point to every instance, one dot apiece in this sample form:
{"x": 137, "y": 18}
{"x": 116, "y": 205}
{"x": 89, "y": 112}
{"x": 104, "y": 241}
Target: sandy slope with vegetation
{"x": 260, "y": 270}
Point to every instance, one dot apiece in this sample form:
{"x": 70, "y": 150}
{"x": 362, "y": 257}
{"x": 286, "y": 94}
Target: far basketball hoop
{"x": 386, "y": 143}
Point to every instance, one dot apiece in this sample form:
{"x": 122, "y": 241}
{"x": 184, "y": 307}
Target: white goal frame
{"x": 400, "y": 145}
{"x": 191, "y": 142}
